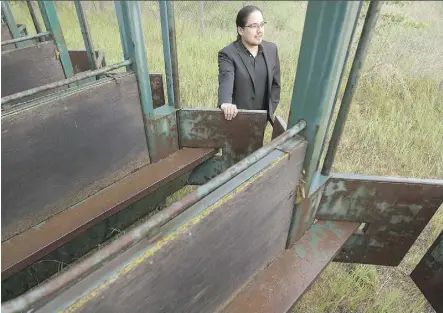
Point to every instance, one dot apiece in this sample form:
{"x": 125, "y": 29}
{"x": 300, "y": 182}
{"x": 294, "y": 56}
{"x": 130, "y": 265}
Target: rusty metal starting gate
{"x": 87, "y": 150}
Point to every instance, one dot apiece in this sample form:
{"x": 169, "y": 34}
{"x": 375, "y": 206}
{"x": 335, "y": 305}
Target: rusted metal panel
{"x": 279, "y": 127}
{"x": 157, "y": 89}
{"x": 59, "y": 153}
{"x": 277, "y": 288}
{"x": 165, "y": 129}
{"x": 151, "y": 226}
{"x": 304, "y": 213}
{"x": 80, "y": 62}
{"x": 208, "y": 128}
{"x": 202, "y": 256}
{"x": 6, "y": 35}
{"x": 30, "y": 67}
{"x": 31, "y": 245}
{"x": 428, "y": 274}
{"x": 395, "y": 211}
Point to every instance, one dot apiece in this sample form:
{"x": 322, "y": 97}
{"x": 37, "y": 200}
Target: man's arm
{"x": 275, "y": 88}
{"x": 225, "y": 79}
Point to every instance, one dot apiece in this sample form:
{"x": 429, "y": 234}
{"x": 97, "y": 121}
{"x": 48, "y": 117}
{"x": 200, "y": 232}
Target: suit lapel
{"x": 246, "y": 61}
{"x": 268, "y": 67}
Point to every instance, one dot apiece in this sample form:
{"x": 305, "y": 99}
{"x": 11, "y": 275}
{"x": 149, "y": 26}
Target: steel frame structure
{"x": 321, "y": 214}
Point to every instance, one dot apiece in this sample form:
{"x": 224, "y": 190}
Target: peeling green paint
{"x": 331, "y": 226}
{"x": 39, "y": 226}
{"x": 301, "y": 252}
{"x": 397, "y": 219}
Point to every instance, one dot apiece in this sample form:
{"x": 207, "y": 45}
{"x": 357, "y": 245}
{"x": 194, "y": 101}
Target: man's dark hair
{"x": 242, "y": 16}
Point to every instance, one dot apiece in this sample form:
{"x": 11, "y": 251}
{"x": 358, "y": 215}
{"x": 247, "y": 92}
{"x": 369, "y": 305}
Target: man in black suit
{"x": 249, "y": 68}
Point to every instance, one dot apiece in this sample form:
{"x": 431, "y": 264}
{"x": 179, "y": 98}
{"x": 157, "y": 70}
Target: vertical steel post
{"x": 174, "y": 58}
{"x": 44, "y": 15}
{"x": 140, "y": 62}
{"x": 125, "y": 34}
{"x": 48, "y": 10}
{"x": 35, "y": 21}
{"x": 131, "y": 19}
{"x": 351, "y": 85}
{"x": 321, "y": 178}
{"x": 90, "y": 52}
{"x": 326, "y": 37}
{"x": 12, "y": 25}
{"x": 167, "y": 51}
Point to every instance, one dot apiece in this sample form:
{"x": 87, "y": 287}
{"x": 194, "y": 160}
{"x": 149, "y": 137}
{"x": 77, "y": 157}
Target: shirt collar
{"x": 260, "y": 48}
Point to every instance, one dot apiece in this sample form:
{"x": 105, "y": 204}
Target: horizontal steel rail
{"x": 24, "y": 38}
{"x": 64, "y": 82}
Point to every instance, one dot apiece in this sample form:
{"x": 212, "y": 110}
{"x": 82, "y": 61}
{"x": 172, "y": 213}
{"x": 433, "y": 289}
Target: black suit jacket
{"x": 236, "y": 76}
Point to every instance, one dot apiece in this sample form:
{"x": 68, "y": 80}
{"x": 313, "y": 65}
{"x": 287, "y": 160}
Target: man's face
{"x": 253, "y": 32}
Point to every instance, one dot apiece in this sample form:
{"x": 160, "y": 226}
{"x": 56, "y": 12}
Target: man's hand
{"x": 230, "y": 110}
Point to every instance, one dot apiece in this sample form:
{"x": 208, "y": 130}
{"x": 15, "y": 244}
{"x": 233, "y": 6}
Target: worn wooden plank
{"x": 395, "y": 211}
{"x": 202, "y": 256}
{"x": 30, "y": 67}
{"x": 277, "y": 288}
{"x": 58, "y": 153}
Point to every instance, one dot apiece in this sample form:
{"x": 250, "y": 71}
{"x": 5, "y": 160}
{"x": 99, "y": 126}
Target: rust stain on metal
{"x": 278, "y": 287}
{"x": 157, "y": 89}
{"x": 208, "y": 228}
{"x": 303, "y": 214}
{"x": 279, "y": 127}
{"x": 80, "y": 62}
{"x": 395, "y": 209}
{"x": 165, "y": 131}
{"x": 428, "y": 274}
{"x": 208, "y": 128}
{"x": 25, "y": 248}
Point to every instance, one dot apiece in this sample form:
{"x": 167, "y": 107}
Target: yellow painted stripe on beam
{"x": 173, "y": 235}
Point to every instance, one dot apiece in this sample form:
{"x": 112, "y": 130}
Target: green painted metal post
{"x": 134, "y": 45}
{"x": 44, "y": 15}
{"x": 140, "y": 62}
{"x": 174, "y": 57}
{"x": 125, "y": 34}
{"x": 90, "y": 52}
{"x": 328, "y": 31}
{"x": 167, "y": 51}
{"x": 48, "y": 10}
{"x": 351, "y": 85}
{"x": 37, "y": 26}
{"x": 12, "y": 25}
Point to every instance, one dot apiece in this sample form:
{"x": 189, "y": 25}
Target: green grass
{"x": 395, "y": 125}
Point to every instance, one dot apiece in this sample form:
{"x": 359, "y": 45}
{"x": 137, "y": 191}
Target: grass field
{"x": 395, "y": 125}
